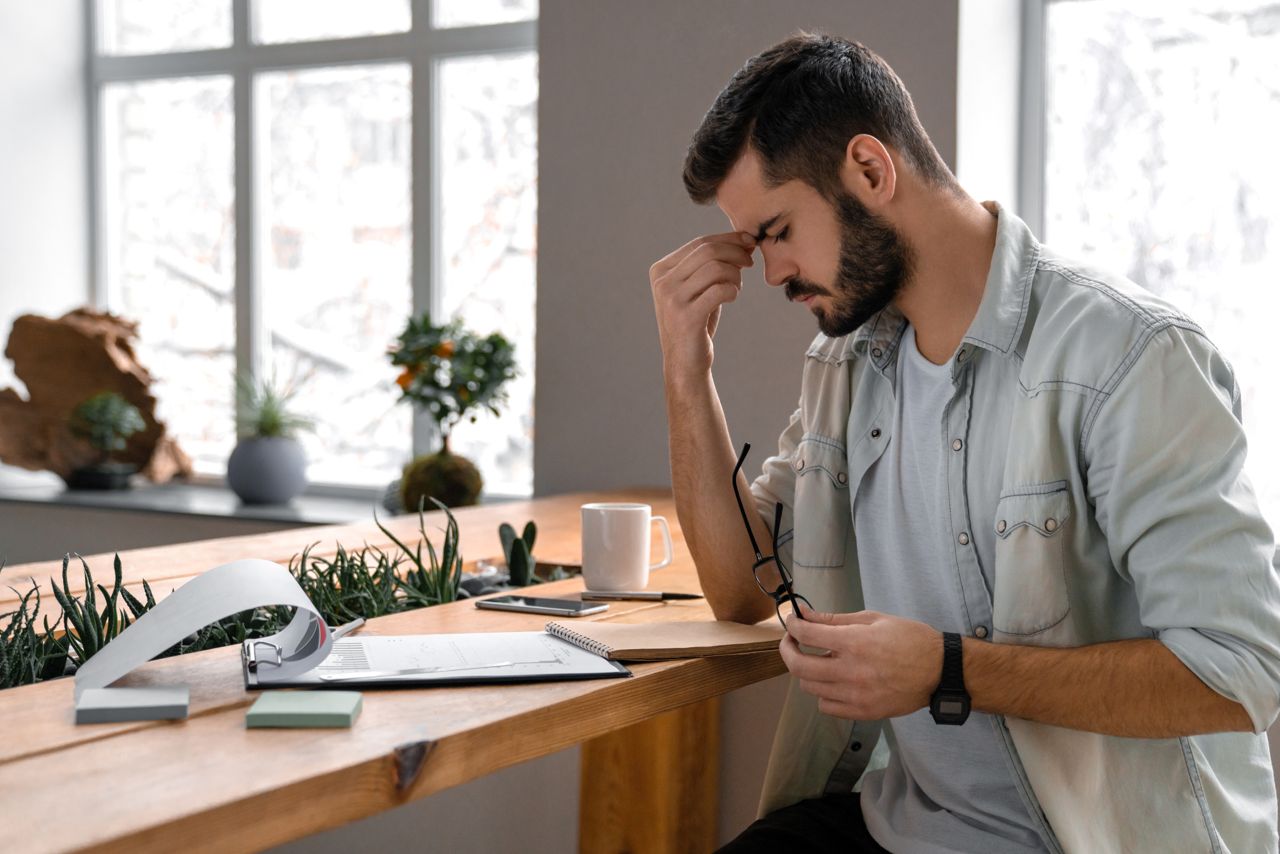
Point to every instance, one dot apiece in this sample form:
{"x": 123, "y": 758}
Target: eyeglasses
{"x": 783, "y": 593}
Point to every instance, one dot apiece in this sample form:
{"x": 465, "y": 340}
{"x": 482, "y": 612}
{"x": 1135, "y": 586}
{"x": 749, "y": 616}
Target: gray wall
{"x": 44, "y": 222}
{"x": 623, "y": 85}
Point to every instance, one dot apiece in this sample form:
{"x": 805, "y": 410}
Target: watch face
{"x": 950, "y": 708}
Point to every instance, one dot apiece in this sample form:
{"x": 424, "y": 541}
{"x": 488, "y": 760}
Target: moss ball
{"x": 453, "y": 480}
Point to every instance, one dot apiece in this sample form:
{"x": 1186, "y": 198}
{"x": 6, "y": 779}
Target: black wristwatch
{"x": 950, "y": 702}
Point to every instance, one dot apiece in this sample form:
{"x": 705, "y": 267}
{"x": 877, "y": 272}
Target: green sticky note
{"x": 304, "y": 709}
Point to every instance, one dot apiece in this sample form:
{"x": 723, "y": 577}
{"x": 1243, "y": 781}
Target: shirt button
{"x": 960, "y": 356}
{"x": 980, "y": 632}
{"x": 957, "y": 445}
{"x": 877, "y": 352}
{"x": 963, "y": 538}
{"x": 799, "y": 464}
{"x": 1051, "y": 524}
{"x": 875, "y": 433}
{"x": 842, "y": 477}
{"x": 1000, "y": 526}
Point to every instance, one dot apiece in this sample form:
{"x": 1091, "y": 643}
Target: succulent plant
{"x": 519, "y": 553}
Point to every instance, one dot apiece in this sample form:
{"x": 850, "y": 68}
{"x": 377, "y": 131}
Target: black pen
{"x": 649, "y": 595}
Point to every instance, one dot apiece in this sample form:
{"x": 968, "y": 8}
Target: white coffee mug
{"x": 615, "y": 546}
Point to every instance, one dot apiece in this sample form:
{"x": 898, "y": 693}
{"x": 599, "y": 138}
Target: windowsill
{"x": 198, "y": 498}
{"x": 202, "y": 496}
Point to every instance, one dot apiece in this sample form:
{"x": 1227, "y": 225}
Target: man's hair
{"x": 797, "y": 105}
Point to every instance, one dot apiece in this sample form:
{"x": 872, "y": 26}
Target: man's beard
{"x": 875, "y": 263}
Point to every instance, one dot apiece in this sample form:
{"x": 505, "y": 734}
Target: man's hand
{"x": 689, "y": 287}
{"x": 877, "y": 666}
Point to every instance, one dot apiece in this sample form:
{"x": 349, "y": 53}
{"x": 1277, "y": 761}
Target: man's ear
{"x": 868, "y": 171}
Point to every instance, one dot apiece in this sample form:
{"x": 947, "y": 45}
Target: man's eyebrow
{"x": 766, "y": 225}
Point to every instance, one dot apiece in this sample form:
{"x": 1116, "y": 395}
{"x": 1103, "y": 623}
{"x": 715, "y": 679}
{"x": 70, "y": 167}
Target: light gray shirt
{"x": 1123, "y": 512}
{"x": 946, "y": 789}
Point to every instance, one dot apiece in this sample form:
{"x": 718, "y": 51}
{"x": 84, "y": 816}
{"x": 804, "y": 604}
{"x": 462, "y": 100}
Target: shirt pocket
{"x": 1030, "y": 577}
{"x": 822, "y": 516}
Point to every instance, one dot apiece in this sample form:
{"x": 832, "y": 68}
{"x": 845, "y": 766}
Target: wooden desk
{"x": 209, "y": 784}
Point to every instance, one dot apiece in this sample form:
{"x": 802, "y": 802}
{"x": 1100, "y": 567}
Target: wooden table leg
{"x": 654, "y": 786}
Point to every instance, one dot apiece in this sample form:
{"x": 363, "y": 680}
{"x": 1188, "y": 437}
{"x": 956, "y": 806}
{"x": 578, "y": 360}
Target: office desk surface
{"x": 208, "y": 783}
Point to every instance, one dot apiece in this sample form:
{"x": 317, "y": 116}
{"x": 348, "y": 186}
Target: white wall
{"x": 43, "y": 162}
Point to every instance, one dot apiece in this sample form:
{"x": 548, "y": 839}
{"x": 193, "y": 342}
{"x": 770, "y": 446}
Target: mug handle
{"x": 666, "y": 543}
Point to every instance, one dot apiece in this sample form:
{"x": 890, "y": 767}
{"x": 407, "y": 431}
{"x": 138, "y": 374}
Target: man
{"x": 1013, "y": 493}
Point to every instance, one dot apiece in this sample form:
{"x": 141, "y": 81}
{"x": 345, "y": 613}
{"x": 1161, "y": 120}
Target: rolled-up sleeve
{"x": 1165, "y": 466}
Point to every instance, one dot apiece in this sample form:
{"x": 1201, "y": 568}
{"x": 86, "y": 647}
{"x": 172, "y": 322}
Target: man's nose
{"x": 778, "y": 269}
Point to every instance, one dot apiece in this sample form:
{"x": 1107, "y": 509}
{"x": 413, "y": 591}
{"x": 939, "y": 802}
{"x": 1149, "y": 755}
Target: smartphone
{"x": 539, "y": 605}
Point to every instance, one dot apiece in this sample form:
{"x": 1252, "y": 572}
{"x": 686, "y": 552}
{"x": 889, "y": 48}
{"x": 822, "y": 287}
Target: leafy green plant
{"x": 88, "y": 629}
{"x": 27, "y": 654}
{"x": 519, "y": 553}
{"x": 437, "y": 580}
{"x": 450, "y": 371}
{"x": 262, "y": 410}
{"x": 106, "y": 420}
{"x": 368, "y": 582}
{"x": 346, "y": 586}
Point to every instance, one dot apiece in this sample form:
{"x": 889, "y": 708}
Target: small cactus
{"x": 519, "y": 553}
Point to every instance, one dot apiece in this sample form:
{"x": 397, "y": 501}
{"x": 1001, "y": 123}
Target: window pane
{"x": 305, "y": 20}
{"x": 1158, "y": 166}
{"x": 157, "y": 26}
{"x": 170, "y": 248}
{"x": 488, "y": 160}
{"x": 334, "y": 258}
{"x": 466, "y": 13}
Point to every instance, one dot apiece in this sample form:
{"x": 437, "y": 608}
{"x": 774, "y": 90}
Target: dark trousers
{"x": 830, "y": 823}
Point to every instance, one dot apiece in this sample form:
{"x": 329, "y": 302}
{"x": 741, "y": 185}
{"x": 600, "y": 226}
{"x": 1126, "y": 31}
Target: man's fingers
{"x": 837, "y": 709}
{"x": 809, "y": 666}
{"x": 812, "y": 633}
{"x": 731, "y": 251}
{"x": 730, "y": 238}
{"x": 714, "y": 297}
{"x": 710, "y": 273}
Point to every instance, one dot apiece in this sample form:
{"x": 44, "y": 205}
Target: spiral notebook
{"x": 659, "y": 641}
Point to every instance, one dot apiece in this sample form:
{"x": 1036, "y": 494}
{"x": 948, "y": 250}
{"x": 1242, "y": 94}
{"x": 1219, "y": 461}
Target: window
{"x": 279, "y": 184}
{"x": 1159, "y": 164}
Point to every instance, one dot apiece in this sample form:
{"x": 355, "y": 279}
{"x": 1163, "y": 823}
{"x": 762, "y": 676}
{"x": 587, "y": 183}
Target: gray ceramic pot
{"x": 267, "y": 470}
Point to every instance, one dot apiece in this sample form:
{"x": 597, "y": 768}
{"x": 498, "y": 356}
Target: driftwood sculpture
{"x": 63, "y": 362}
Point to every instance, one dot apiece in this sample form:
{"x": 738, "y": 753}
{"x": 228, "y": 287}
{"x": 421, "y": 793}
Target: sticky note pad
{"x": 304, "y": 709}
{"x": 110, "y": 705}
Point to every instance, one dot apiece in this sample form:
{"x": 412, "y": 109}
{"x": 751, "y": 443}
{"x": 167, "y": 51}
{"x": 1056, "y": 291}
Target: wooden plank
{"x": 207, "y": 783}
{"x": 213, "y": 785}
{"x": 652, "y": 787}
{"x": 43, "y": 712}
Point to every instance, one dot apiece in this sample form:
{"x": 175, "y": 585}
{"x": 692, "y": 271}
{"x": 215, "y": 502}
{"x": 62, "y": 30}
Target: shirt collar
{"x": 1002, "y": 313}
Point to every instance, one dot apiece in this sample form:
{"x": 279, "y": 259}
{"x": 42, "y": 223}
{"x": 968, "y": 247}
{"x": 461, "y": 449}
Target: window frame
{"x": 421, "y": 47}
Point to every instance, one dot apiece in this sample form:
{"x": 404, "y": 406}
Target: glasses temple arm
{"x": 741, "y": 508}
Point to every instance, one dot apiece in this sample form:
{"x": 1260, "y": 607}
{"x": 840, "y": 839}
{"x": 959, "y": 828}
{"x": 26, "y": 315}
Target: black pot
{"x": 103, "y": 476}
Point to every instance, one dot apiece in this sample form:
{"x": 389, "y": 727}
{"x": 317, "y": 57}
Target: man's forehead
{"x": 748, "y": 202}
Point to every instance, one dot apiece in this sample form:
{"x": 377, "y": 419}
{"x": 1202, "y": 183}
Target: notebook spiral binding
{"x": 565, "y": 633}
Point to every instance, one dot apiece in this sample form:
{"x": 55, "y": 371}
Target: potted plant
{"x": 105, "y": 420}
{"x": 268, "y": 465}
{"x": 449, "y": 373}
